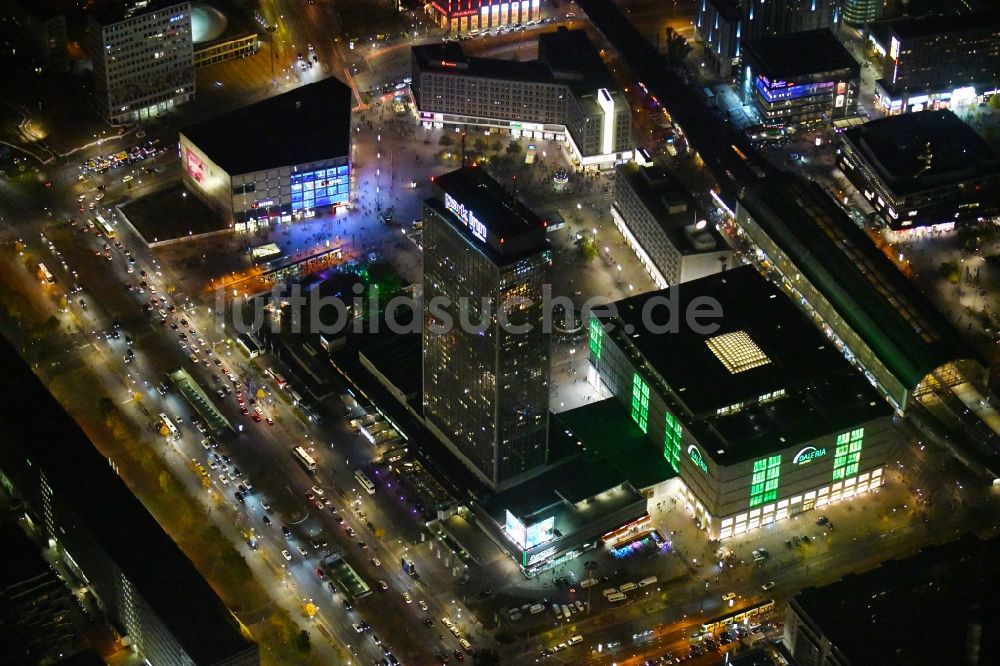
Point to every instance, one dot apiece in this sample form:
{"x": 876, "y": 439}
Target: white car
{"x": 422, "y": 604}
{"x": 358, "y": 627}
{"x": 767, "y": 586}
{"x": 319, "y": 492}
{"x": 729, "y": 596}
{"x": 407, "y": 598}
{"x": 223, "y": 479}
{"x": 303, "y": 552}
{"x": 447, "y": 622}
{"x": 287, "y": 555}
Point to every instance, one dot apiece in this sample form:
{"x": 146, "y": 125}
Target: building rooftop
{"x": 488, "y": 212}
{"x": 605, "y": 434}
{"x": 307, "y": 124}
{"x": 762, "y": 345}
{"x": 799, "y": 54}
{"x": 929, "y": 25}
{"x": 571, "y": 56}
{"x": 109, "y": 12}
{"x": 157, "y": 569}
{"x": 727, "y": 9}
{"x": 935, "y": 607}
{"x": 561, "y": 492}
{"x": 189, "y": 216}
{"x": 564, "y": 56}
{"x": 660, "y": 192}
{"x": 20, "y": 559}
{"x": 913, "y": 152}
{"x": 877, "y": 301}
{"x": 725, "y": 150}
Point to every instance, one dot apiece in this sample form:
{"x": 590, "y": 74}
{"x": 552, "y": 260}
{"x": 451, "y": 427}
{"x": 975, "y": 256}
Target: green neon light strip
{"x": 596, "y": 338}
{"x": 764, "y": 484}
{"x": 672, "y": 442}
{"x": 847, "y": 456}
{"x": 640, "y": 401}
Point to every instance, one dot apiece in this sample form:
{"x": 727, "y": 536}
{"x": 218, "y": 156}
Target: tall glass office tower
{"x": 485, "y": 353}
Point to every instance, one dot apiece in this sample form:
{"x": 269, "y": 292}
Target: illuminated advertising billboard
{"x": 530, "y": 536}
{"x": 195, "y": 167}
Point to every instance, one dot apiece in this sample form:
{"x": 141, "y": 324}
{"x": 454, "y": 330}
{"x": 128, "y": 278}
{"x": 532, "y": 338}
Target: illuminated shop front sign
{"x": 808, "y": 454}
{"x": 263, "y": 204}
{"x": 467, "y": 217}
{"x": 781, "y": 90}
{"x": 695, "y": 455}
{"x": 548, "y": 552}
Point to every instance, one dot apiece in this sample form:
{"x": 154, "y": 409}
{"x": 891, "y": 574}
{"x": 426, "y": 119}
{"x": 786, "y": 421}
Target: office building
{"x": 934, "y": 607}
{"x": 758, "y": 413}
{"x": 486, "y": 380}
{"x": 801, "y": 238}
{"x": 566, "y": 95}
{"x": 934, "y": 62}
{"x": 74, "y": 501}
{"x": 284, "y": 158}
{"x": 40, "y": 27}
{"x": 143, "y": 58}
{"x": 801, "y": 78}
{"x": 922, "y": 170}
{"x": 725, "y": 25}
{"x": 35, "y": 605}
{"x": 662, "y": 224}
{"x": 859, "y": 12}
{"x": 482, "y": 15}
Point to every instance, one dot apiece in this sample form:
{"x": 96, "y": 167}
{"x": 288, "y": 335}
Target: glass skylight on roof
{"x": 737, "y": 351}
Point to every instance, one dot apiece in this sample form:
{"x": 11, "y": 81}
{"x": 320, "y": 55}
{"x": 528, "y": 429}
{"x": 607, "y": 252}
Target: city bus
{"x": 365, "y": 482}
{"x": 278, "y": 379}
{"x": 46, "y": 274}
{"x": 304, "y": 459}
{"x": 106, "y": 228}
{"x": 168, "y": 424}
{"x": 738, "y": 617}
{"x": 248, "y": 344}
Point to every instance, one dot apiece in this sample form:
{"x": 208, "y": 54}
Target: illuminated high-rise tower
{"x": 485, "y": 372}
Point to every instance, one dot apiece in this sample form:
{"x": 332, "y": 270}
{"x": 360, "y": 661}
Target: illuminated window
{"x": 596, "y": 338}
{"x": 672, "y": 442}
{"x": 737, "y": 351}
{"x": 640, "y": 401}
{"x": 764, "y": 484}
{"x": 847, "y": 456}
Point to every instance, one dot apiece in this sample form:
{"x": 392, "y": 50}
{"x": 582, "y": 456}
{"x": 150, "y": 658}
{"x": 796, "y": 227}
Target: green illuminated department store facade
{"x": 761, "y": 418}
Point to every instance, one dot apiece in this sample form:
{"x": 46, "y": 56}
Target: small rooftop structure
{"x": 798, "y": 54}
{"x": 307, "y": 124}
{"x": 913, "y": 152}
{"x": 668, "y": 200}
